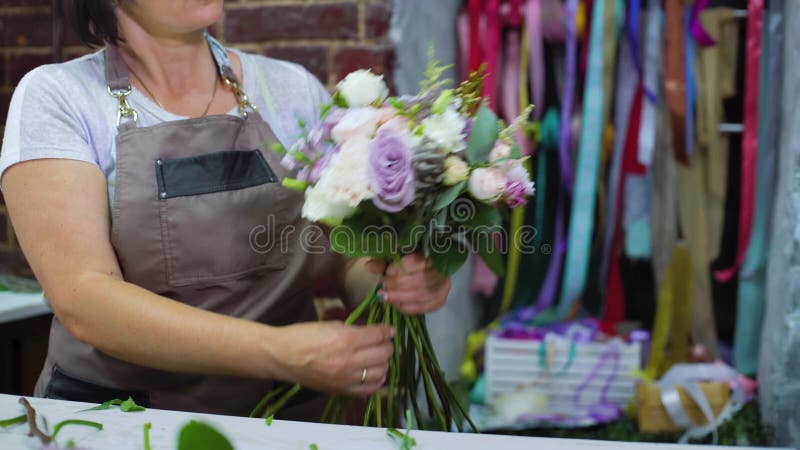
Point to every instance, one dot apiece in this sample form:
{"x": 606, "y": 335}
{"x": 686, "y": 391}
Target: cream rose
{"x": 456, "y": 170}
{"x": 501, "y": 150}
{"x": 363, "y": 88}
{"x": 487, "y": 184}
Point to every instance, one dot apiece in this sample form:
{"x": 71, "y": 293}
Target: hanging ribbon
{"x": 533, "y": 20}
{"x": 475, "y": 54}
{"x": 676, "y": 76}
{"x": 670, "y": 339}
{"x": 752, "y": 279}
{"x": 691, "y": 86}
{"x": 582, "y": 216}
{"x": 492, "y": 39}
{"x": 514, "y": 96}
{"x": 548, "y": 292}
{"x": 696, "y": 27}
{"x": 755, "y": 10}
{"x": 653, "y": 54}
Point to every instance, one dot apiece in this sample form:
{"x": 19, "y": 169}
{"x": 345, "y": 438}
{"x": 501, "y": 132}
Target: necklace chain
{"x": 150, "y": 93}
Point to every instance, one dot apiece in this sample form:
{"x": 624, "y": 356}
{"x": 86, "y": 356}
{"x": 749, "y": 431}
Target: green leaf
{"x": 278, "y": 148}
{"x": 483, "y": 136}
{"x": 449, "y": 196}
{"x": 104, "y": 405}
{"x": 482, "y": 216}
{"x": 13, "y": 421}
{"x": 268, "y": 420}
{"x": 130, "y": 406}
{"x": 313, "y": 447}
{"x": 440, "y": 105}
{"x": 325, "y": 110}
{"x": 83, "y": 423}
{"x": 294, "y": 184}
{"x": 516, "y": 153}
{"x": 355, "y": 242}
{"x": 448, "y": 260}
{"x": 490, "y": 253}
{"x": 339, "y": 100}
{"x": 201, "y": 436}
{"x": 397, "y": 104}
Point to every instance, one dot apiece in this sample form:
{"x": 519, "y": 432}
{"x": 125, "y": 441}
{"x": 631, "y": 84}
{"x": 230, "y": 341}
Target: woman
{"x": 139, "y": 184}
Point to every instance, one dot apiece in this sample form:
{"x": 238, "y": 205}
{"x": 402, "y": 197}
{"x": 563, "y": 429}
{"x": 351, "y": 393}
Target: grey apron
{"x": 199, "y": 216}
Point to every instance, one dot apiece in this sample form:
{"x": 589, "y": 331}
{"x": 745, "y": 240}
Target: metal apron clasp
{"x": 125, "y": 109}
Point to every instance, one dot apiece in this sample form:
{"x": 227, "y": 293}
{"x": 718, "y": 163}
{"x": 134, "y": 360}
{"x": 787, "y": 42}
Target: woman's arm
{"x": 59, "y": 209}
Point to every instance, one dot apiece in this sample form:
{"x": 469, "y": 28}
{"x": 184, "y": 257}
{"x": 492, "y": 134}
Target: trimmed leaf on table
{"x": 201, "y": 436}
{"x": 13, "y": 421}
{"x": 483, "y": 136}
{"x": 130, "y": 406}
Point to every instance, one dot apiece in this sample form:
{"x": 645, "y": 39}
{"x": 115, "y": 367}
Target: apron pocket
{"x": 223, "y": 216}
{"x": 65, "y": 387}
{"x": 214, "y": 172}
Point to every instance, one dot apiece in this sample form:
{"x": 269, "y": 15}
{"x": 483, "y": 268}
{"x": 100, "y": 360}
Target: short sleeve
{"x": 42, "y": 123}
{"x": 318, "y": 94}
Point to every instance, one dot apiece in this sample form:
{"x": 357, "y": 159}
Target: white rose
{"x": 347, "y": 178}
{"x": 456, "y": 170}
{"x": 363, "y": 88}
{"x": 446, "y": 130}
{"x": 318, "y": 207}
{"x": 487, "y": 184}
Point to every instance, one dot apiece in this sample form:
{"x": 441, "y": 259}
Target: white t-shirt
{"x": 64, "y": 111}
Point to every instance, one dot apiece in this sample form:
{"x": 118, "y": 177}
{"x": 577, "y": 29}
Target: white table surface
{"x": 123, "y": 431}
{"x": 18, "y": 306}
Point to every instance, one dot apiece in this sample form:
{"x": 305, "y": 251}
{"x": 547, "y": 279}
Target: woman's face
{"x": 173, "y": 17}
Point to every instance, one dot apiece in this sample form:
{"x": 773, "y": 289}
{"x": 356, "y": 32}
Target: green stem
{"x": 359, "y": 311}
{"x": 85, "y": 423}
{"x": 282, "y": 401}
{"x": 147, "y": 427}
{"x": 368, "y": 412}
{"x": 426, "y": 378}
{"x": 267, "y": 398}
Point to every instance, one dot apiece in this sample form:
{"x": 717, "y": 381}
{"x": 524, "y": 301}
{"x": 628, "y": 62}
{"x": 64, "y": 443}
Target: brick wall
{"x": 329, "y": 37}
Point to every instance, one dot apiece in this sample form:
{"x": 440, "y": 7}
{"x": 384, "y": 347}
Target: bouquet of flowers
{"x": 393, "y": 176}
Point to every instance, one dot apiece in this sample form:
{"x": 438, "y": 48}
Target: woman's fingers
{"x": 373, "y": 356}
{"x": 375, "y": 266}
{"x": 369, "y": 336}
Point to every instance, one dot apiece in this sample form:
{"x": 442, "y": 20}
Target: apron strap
{"x": 119, "y": 84}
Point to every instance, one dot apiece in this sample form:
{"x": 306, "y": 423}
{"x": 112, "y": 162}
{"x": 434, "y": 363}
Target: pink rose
{"x": 487, "y": 184}
{"x": 358, "y": 122}
{"x": 501, "y": 150}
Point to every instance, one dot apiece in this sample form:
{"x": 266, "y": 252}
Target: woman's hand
{"x": 332, "y": 357}
{"x": 414, "y": 287}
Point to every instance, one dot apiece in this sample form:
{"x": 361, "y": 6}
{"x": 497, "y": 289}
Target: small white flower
{"x": 446, "y": 130}
{"x": 456, "y": 170}
{"x": 363, "y": 88}
{"x": 501, "y": 150}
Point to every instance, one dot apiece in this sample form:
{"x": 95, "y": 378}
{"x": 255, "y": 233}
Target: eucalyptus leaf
{"x": 201, "y": 436}
{"x": 130, "y": 406}
{"x": 483, "y": 136}
{"x": 450, "y": 195}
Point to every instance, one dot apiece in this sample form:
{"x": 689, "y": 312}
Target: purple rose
{"x": 320, "y": 165}
{"x": 515, "y": 194}
{"x": 391, "y": 171}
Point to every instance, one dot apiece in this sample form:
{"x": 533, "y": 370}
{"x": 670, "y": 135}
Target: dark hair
{"x": 94, "y": 21}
